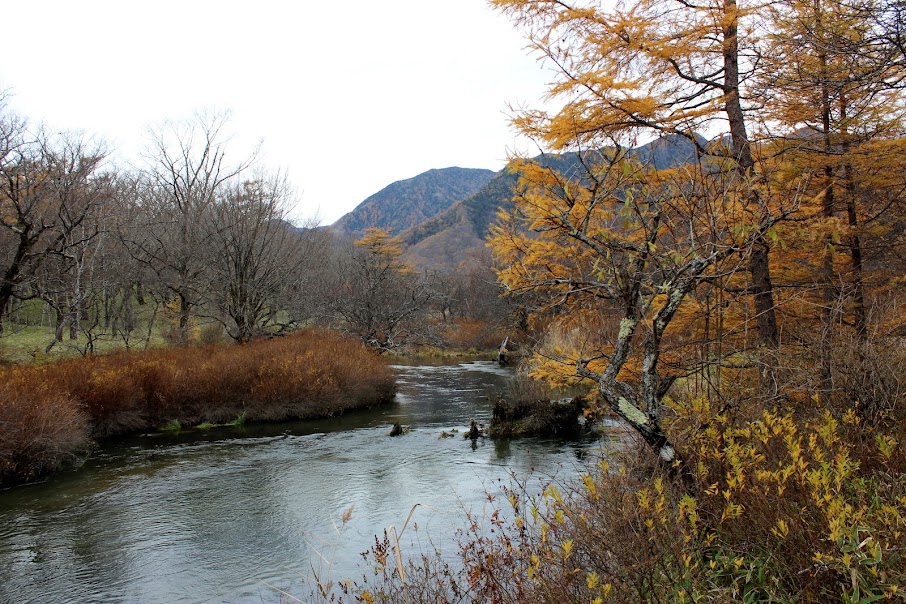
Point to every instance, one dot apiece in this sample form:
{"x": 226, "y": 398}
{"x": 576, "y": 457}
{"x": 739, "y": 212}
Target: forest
{"x": 739, "y": 311}
{"x": 192, "y": 245}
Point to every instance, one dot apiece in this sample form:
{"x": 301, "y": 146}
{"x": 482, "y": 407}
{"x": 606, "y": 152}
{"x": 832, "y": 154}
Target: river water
{"x": 222, "y": 515}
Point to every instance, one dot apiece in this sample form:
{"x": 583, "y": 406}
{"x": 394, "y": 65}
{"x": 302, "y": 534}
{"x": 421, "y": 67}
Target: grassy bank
{"x": 50, "y": 414}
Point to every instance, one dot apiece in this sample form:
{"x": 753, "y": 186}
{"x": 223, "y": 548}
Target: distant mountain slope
{"x": 408, "y": 203}
{"x": 442, "y": 242}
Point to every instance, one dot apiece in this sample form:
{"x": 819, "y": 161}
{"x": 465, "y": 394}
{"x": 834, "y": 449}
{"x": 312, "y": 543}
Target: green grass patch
{"x": 172, "y": 426}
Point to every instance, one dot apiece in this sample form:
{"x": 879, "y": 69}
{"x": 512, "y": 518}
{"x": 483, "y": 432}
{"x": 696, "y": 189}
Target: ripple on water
{"x": 154, "y": 520}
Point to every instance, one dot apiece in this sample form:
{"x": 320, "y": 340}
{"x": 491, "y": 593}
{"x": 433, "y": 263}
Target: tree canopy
{"x": 652, "y": 274}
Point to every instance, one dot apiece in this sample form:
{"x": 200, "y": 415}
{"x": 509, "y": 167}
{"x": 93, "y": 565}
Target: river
{"x": 221, "y": 515}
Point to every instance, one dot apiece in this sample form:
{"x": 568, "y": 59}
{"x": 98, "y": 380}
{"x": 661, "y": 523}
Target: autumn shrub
{"x": 321, "y": 375}
{"x": 872, "y": 375}
{"x": 864, "y": 371}
{"x": 773, "y": 510}
{"x": 41, "y": 429}
{"x": 309, "y": 374}
{"x": 471, "y": 334}
{"x": 107, "y": 390}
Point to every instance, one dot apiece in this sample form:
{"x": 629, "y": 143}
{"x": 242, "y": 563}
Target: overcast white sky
{"x": 347, "y": 96}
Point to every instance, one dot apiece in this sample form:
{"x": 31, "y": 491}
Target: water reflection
{"x": 179, "y": 518}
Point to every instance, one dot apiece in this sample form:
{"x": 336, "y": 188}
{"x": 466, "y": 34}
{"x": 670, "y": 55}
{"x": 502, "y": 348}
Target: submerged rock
{"x": 398, "y": 429}
{"x": 475, "y": 432}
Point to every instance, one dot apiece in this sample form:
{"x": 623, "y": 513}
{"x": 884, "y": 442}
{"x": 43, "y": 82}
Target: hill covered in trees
{"x": 446, "y": 239}
{"x": 444, "y": 215}
{"x": 407, "y": 203}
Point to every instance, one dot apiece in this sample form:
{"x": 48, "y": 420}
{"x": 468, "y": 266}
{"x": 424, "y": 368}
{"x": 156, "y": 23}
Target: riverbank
{"x": 221, "y": 515}
{"x": 50, "y": 415}
{"x": 768, "y": 505}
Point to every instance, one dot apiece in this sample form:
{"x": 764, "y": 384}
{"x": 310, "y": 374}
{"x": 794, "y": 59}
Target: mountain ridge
{"x": 443, "y": 214}
{"x": 406, "y": 203}
{"x": 443, "y": 240}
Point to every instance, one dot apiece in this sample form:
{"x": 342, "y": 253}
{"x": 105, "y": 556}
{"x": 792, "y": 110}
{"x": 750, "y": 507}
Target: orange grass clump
{"x": 50, "y": 413}
{"x": 41, "y": 430}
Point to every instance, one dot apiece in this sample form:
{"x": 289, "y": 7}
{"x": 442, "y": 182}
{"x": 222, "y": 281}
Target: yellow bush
{"x": 801, "y": 490}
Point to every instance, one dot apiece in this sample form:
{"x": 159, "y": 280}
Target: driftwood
{"x": 502, "y": 352}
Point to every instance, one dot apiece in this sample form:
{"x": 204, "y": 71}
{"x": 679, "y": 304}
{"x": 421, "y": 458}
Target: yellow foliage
{"x": 857, "y": 531}
{"x": 379, "y": 242}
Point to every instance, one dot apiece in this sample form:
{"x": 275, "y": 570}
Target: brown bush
{"x": 469, "y": 334}
{"x": 310, "y": 374}
{"x": 41, "y": 429}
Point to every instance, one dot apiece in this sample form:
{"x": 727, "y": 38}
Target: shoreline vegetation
{"x": 51, "y": 415}
{"x": 772, "y": 506}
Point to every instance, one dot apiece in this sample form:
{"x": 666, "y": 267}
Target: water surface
{"x": 219, "y": 516}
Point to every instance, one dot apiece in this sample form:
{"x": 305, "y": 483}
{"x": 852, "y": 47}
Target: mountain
{"x": 443, "y": 241}
{"x": 408, "y": 203}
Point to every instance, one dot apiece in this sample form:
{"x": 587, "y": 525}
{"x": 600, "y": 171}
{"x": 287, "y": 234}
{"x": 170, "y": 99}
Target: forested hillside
{"x": 443, "y": 241}
{"x": 407, "y": 203}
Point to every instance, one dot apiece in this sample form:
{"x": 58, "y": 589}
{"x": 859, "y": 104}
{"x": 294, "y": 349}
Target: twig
{"x": 283, "y": 593}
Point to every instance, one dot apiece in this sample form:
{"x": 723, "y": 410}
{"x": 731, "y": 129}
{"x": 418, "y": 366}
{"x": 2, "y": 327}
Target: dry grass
{"x": 41, "y": 430}
{"x": 49, "y": 413}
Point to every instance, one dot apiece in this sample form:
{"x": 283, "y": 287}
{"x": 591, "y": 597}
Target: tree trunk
{"x": 828, "y": 295}
{"x": 648, "y": 428}
{"x": 58, "y": 332}
{"x": 765, "y": 317}
{"x": 858, "y": 279}
{"x": 7, "y": 286}
{"x": 128, "y": 312}
{"x": 185, "y": 309}
{"x": 74, "y": 323}
{"x": 828, "y": 291}
{"x": 759, "y": 263}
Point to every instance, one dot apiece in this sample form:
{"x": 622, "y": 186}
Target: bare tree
{"x": 50, "y": 190}
{"x": 258, "y": 257}
{"x": 376, "y": 295}
{"x": 186, "y": 171}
